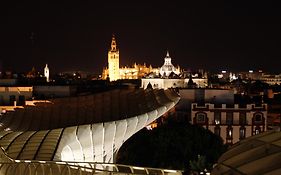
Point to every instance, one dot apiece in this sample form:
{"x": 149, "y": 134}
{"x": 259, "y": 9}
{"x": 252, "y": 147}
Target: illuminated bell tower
{"x": 47, "y": 73}
{"x": 113, "y": 61}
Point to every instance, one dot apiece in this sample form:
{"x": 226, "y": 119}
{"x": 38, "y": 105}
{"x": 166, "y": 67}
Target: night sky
{"x": 212, "y": 35}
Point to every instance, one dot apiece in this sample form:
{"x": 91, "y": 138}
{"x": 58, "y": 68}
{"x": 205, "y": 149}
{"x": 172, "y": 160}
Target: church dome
{"x": 167, "y": 67}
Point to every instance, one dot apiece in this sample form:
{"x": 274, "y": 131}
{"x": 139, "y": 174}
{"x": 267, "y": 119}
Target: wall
{"x": 20, "y": 93}
{"x": 54, "y": 91}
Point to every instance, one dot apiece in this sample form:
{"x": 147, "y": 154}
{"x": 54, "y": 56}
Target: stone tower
{"x": 113, "y": 61}
{"x": 47, "y": 73}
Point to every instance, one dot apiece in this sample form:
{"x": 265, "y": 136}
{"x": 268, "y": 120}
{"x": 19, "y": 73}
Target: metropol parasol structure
{"x": 79, "y": 135}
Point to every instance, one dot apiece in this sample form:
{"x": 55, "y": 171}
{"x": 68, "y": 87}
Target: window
{"x": 229, "y": 132}
{"x": 1, "y": 100}
{"x": 200, "y": 117}
{"x": 217, "y": 130}
{"x": 258, "y": 118}
{"x": 242, "y": 132}
{"x": 229, "y": 118}
{"x": 257, "y": 130}
{"x": 12, "y": 100}
{"x": 217, "y": 117}
{"x": 229, "y": 135}
{"x": 21, "y": 100}
{"x": 242, "y": 118}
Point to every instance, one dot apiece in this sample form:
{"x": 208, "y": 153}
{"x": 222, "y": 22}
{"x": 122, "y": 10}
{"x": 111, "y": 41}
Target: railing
{"x": 23, "y": 167}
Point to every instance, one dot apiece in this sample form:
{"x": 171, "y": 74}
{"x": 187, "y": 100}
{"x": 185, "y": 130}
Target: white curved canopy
{"x": 81, "y": 129}
{"x": 259, "y": 154}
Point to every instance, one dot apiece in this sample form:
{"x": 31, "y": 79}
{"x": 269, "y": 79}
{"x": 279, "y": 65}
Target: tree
{"x": 172, "y": 145}
{"x": 199, "y": 165}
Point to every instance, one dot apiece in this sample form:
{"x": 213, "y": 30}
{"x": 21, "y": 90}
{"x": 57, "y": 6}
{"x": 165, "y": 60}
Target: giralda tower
{"x": 113, "y": 61}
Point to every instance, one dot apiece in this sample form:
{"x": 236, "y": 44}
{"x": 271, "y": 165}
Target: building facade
{"x": 14, "y": 96}
{"x": 113, "y": 61}
{"x": 172, "y": 77}
{"x": 231, "y": 123}
{"x": 115, "y": 72}
{"x": 165, "y": 83}
{"x": 137, "y": 71}
{"x": 80, "y": 129}
{"x": 271, "y": 79}
{"x": 47, "y": 73}
{"x": 168, "y": 67}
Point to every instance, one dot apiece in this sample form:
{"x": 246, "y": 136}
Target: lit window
{"x": 242, "y": 133}
{"x": 229, "y": 133}
{"x": 217, "y": 116}
{"x": 257, "y": 130}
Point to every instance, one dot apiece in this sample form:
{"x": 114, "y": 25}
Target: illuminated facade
{"x": 231, "y": 122}
{"x": 78, "y": 129}
{"x": 114, "y": 72}
{"x": 15, "y": 96}
{"x": 171, "y": 77}
{"x": 47, "y": 73}
{"x": 168, "y": 67}
{"x": 113, "y": 61}
{"x": 137, "y": 71}
{"x": 271, "y": 79}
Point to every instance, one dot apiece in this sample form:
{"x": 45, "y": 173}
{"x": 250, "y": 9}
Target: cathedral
{"x": 114, "y": 72}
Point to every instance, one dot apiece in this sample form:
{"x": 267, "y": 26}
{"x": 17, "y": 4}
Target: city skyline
{"x": 77, "y": 36}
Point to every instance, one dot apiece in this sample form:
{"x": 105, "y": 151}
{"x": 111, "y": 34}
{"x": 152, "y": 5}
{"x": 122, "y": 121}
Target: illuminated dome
{"x": 259, "y": 154}
{"x": 168, "y": 67}
{"x": 79, "y": 129}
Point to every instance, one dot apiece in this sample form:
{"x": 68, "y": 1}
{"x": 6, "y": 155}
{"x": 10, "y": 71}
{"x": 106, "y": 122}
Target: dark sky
{"x": 213, "y": 35}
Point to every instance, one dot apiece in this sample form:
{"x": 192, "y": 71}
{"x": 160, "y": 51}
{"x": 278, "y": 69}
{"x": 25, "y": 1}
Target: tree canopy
{"x": 172, "y": 145}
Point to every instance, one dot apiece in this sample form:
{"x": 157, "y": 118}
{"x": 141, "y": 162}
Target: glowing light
{"x": 251, "y": 71}
{"x": 111, "y": 165}
{"x": 220, "y": 75}
{"x": 138, "y": 168}
{"x": 217, "y": 122}
{"x": 60, "y": 163}
{"x": 89, "y": 170}
{"x": 170, "y": 171}
{"x": 223, "y": 71}
{"x": 229, "y": 133}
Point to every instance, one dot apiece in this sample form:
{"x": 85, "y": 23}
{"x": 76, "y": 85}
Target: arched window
{"x": 201, "y": 117}
{"x": 258, "y": 118}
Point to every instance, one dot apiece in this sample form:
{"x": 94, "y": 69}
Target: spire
{"x": 113, "y": 43}
{"x": 47, "y": 73}
{"x": 167, "y": 55}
